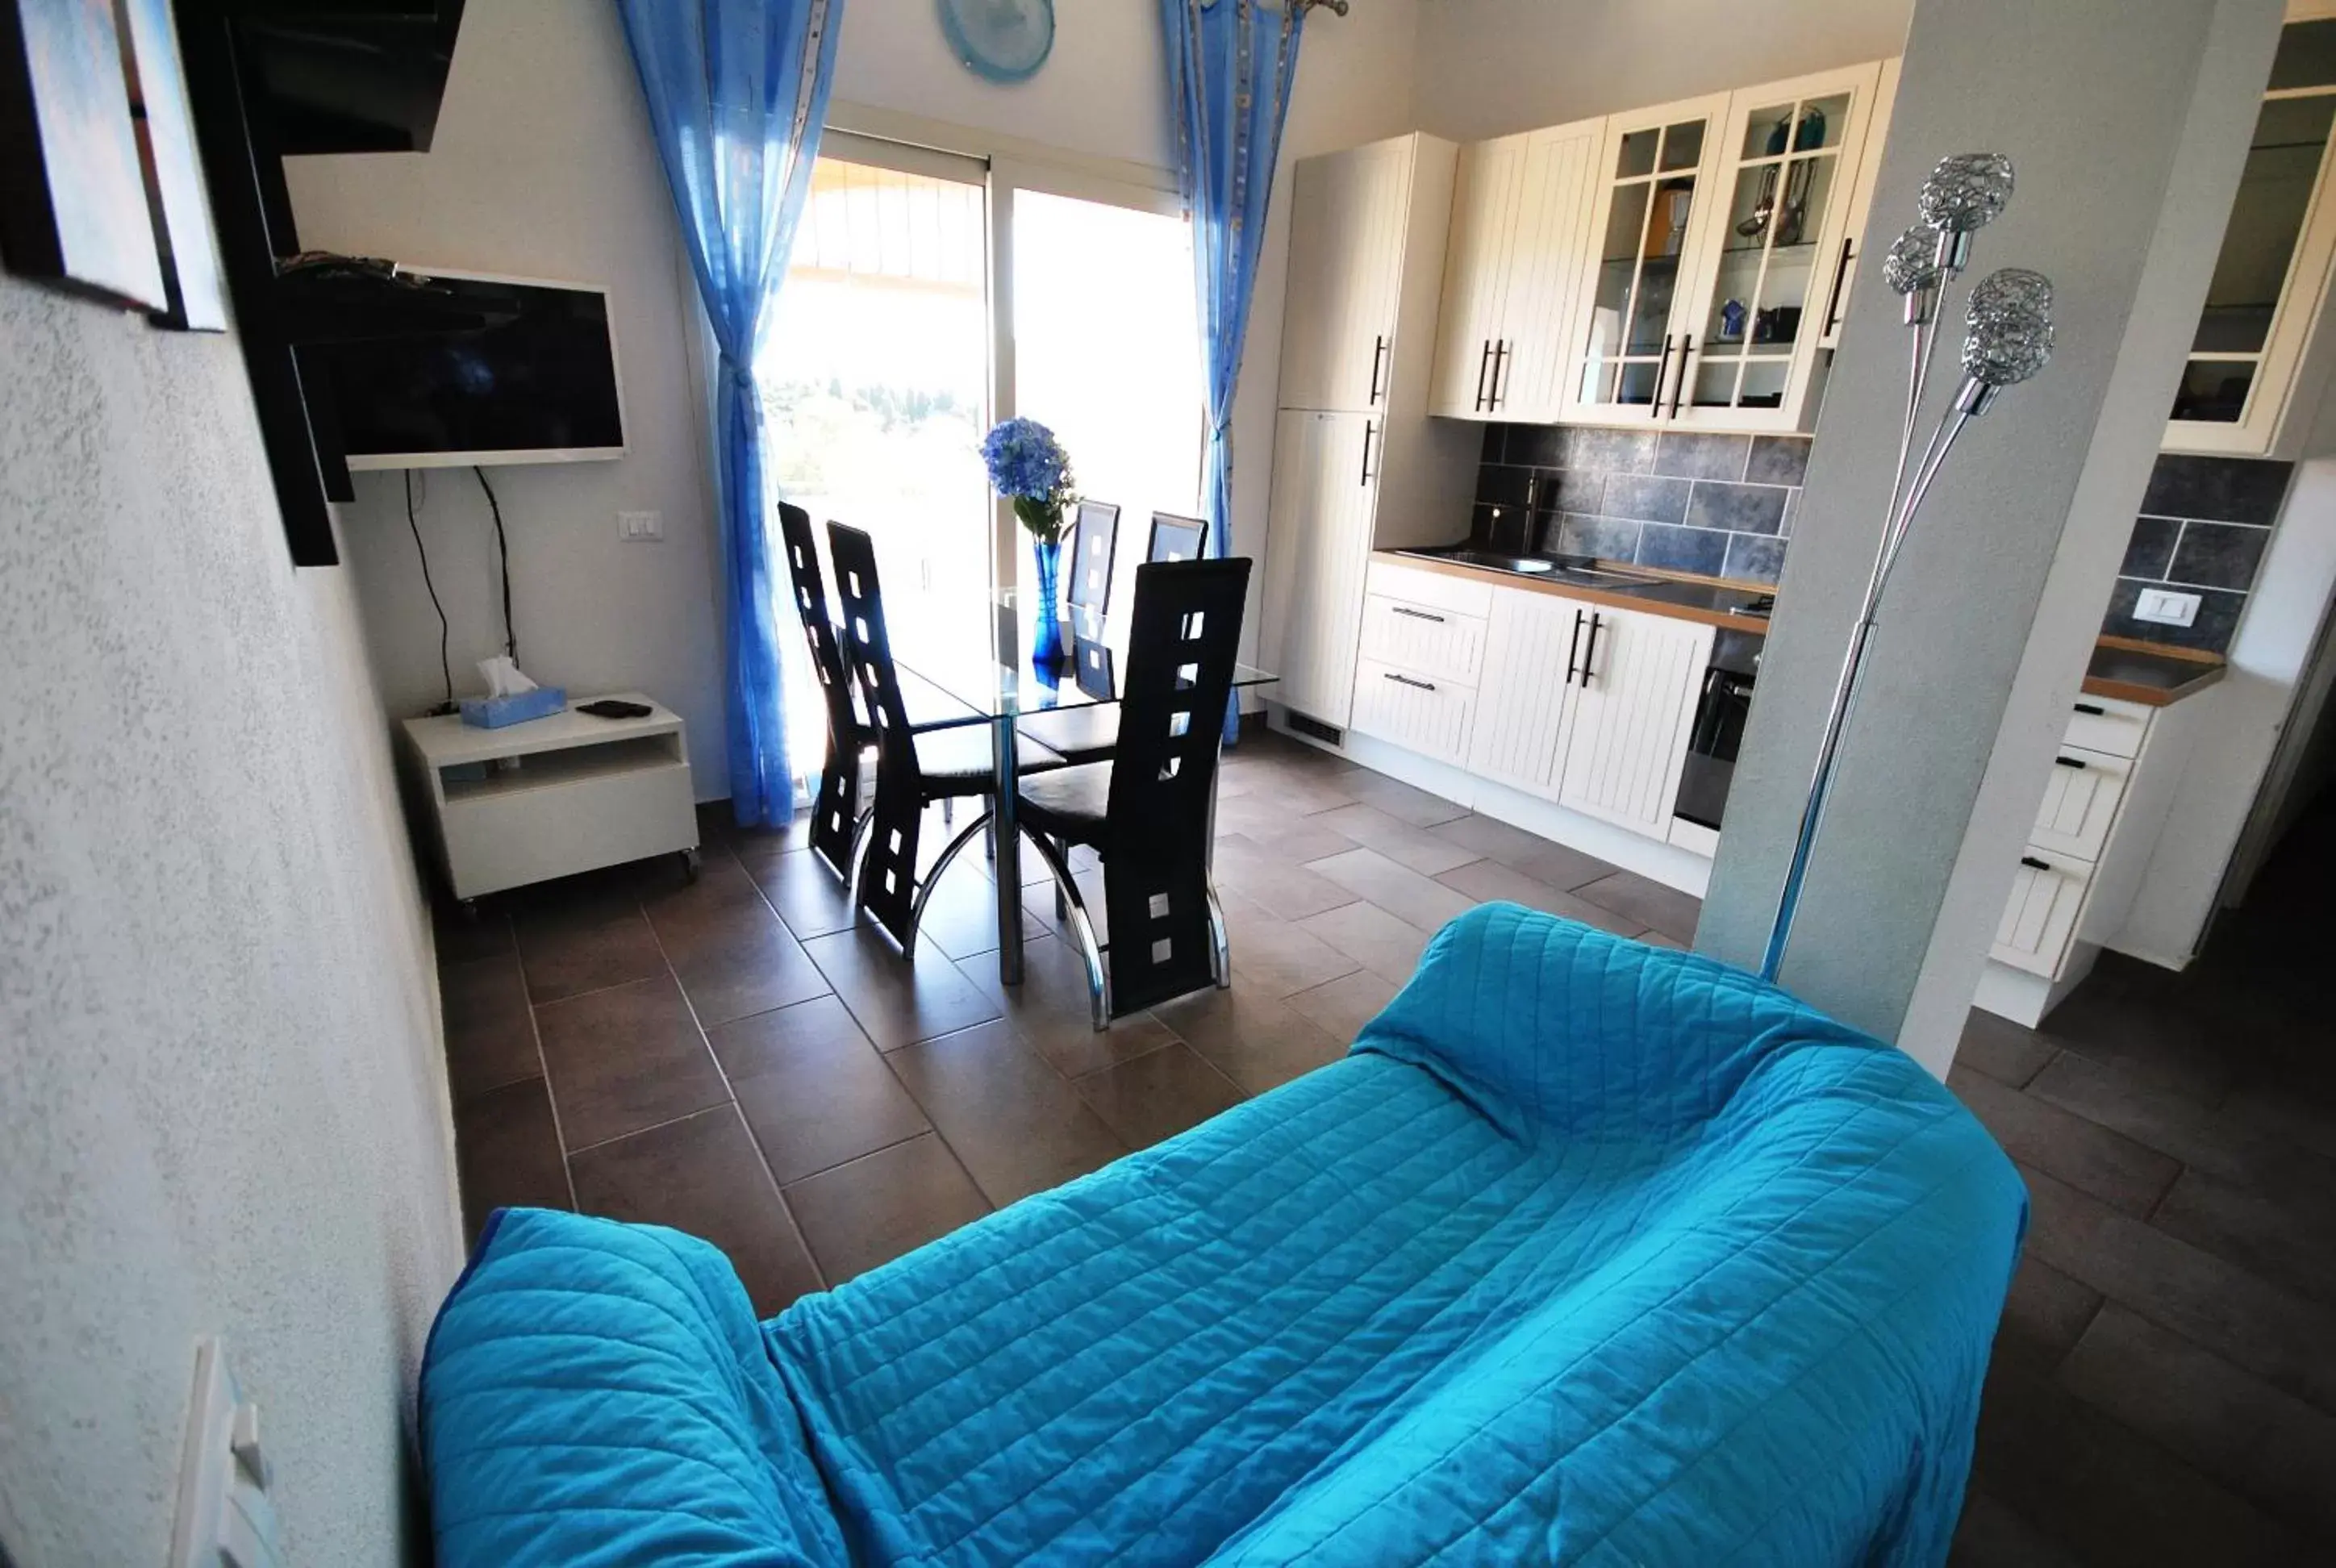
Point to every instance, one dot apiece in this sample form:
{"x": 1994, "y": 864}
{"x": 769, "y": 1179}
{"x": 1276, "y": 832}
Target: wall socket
{"x": 640, "y": 525}
{"x": 2165, "y": 606}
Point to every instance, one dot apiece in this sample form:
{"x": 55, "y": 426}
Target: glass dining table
{"x": 979, "y": 660}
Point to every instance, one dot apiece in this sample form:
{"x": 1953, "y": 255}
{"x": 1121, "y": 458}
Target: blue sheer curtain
{"x": 737, "y": 92}
{"x": 1231, "y": 63}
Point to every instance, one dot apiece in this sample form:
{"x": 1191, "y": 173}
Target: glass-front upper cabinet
{"x": 2273, "y": 267}
{"x": 1773, "y": 255}
{"x": 1656, "y": 168}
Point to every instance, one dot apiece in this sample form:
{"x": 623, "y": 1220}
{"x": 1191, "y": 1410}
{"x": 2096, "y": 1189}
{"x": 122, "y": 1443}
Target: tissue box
{"x": 494, "y": 712}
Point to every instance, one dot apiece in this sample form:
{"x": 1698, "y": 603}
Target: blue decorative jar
{"x": 1047, "y": 639}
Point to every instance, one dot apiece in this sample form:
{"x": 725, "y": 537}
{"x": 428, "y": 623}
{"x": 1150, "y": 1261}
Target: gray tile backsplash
{"x": 1718, "y": 505}
{"x": 2205, "y": 523}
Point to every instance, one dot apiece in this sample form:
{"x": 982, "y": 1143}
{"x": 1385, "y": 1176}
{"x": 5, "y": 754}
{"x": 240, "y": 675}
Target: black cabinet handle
{"x": 2068, "y": 762}
{"x": 2096, "y": 711}
{"x": 1366, "y": 479}
{"x": 1484, "y": 360}
{"x": 1573, "y": 649}
{"x": 1406, "y": 680}
{"x": 1500, "y": 359}
{"x": 2032, "y": 863}
{"x": 1589, "y": 654}
{"x": 1661, "y": 366}
{"x": 1840, "y": 276}
{"x": 1678, "y": 383}
{"x": 1414, "y": 614}
{"x": 1379, "y": 353}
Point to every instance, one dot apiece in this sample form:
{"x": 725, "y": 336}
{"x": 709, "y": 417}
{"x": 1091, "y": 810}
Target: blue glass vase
{"x": 1047, "y": 639}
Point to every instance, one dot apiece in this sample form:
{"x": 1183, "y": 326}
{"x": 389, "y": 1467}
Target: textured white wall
{"x": 543, "y": 167}
{"x": 1488, "y": 67}
{"x": 222, "y": 1104}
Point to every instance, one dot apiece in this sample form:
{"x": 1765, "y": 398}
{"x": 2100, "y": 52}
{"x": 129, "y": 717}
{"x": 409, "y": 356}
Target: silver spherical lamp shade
{"x": 1964, "y": 193}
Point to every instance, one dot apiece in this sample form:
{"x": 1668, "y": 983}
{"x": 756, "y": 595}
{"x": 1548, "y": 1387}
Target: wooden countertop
{"x": 2152, "y": 673}
{"x": 2126, "y": 668}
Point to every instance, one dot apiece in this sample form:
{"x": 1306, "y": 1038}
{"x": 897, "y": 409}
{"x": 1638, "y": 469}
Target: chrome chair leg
{"x": 858, "y": 847}
{"x": 1221, "y": 946}
{"x": 932, "y": 879}
{"x": 1066, "y": 891}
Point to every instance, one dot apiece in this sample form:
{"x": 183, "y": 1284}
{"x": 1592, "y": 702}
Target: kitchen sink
{"x": 1560, "y": 568}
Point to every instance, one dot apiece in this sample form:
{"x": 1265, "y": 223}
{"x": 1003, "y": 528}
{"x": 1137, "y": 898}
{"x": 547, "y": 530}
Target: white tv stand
{"x": 560, "y": 795}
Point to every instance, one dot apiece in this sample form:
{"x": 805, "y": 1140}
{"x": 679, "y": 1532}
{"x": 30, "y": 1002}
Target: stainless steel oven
{"x": 1718, "y": 729}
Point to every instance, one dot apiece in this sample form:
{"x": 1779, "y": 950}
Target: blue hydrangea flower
{"x": 1029, "y": 467}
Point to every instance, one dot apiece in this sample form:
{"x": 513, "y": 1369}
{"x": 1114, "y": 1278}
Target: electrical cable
{"x": 503, "y": 550}
{"x": 445, "y": 669}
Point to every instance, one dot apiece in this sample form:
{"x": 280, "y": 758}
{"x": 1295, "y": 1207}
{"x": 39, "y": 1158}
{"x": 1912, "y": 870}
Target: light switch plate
{"x": 225, "y": 1517}
{"x": 2165, "y": 606}
{"x": 640, "y": 525}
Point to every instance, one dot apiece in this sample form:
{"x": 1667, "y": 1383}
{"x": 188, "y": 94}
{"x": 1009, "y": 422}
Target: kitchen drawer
{"x": 2105, "y": 724}
{"x": 1442, "y": 644}
{"x": 2048, "y": 894}
{"x": 2080, "y": 801}
{"x": 1429, "y": 589}
{"x": 1415, "y": 712}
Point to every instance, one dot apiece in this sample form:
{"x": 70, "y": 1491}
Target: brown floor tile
{"x": 814, "y": 1092}
{"x": 2287, "y": 1236}
{"x": 1488, "y": 881}
{"x": 1275, "y": 955}
{"x": 1301, "y": 792}
{"x": 1397, "y": 889}
{"x": 1158, "y": 1096}
{"x": 2110, "y": 1497}
{"x": 702, "y": 1175}
{"x": 2003, "y": 1050}
{"x": 626, "y": 1058}
{"x": 961, "y": 919}
{"x": 2223, "y": 1143}
{"x": 1991, "y": 1536}
{"x": 1399, "y": 841}
{"x": 2274, "y": 1112}
{"x": 883, "y": 1205}
{"x": 507, "y": 1150}
{"x": 1370, "y": 936}
{"x": 490, "y": 1027}
{"x": 2133, "y": 1021}
{"x": 1014, "y": 1124}
{"x": 1251, "y": 1036}
{"x": 1285, "y": 835}
{"x": 1402, "y": 801}
{"x": 2268, "y": 1446}
{"x": 1667, "y": 910}
{"x": 2110, "y": 1165}
{"x": 1553, "y": 865}
{"x": 808, "y": 897}
{"x": 2213, "y": 1302}
{"x": 483, "y": 932}
{"x": 1340, "y": 1008}
{"x": 1050, "y": 1009}
{"x": 1655, "y": 939}
{"x": 733, "y": 957}
{"x": 2043, "y": 1317}
{"x": 1265, "y": 873}
{"x": 600, "y": 941}
{"x": 894, "y": 1000}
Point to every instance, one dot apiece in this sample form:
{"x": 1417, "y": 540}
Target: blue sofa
{"x": 1589, "y": 1252}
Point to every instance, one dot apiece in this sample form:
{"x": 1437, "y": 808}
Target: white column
{"x": 2128, "y": 122}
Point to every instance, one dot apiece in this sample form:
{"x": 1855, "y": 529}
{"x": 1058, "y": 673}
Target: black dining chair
{"x": 835, "y": 813}
{"x": 1175, "y": 537}
{"x": 1146, "y": 813}
{"x": 1094, "y": 547}
{"x": 913, "y": 770}
{"x": 1085, "y": 733}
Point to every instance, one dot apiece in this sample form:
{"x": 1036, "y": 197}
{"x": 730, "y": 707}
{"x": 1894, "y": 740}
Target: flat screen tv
{"x": 539, "y": 385}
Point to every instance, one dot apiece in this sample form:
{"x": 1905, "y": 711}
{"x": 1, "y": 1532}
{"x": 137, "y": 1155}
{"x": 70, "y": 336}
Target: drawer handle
{"x": 2070, "y": 762}
{"x": 1406, "y": 680}
{"x": 1416, "y": 614}
{"x": 2093, "y": 708}
{"x": 2032, "y": 863}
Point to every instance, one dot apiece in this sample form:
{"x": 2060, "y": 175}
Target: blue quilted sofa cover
{"x": 1589, "y": 1253}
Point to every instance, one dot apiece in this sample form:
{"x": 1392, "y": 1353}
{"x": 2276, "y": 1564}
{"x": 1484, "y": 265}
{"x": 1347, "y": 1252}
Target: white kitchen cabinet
{"x": 1320, "y": 546}
{"x": 1519, "y": 230}
{"x": 1427, "y": 637}
{"x": 1861, "y": 203}
{"x": 1637, "y": 683}
{"x": 1716, "y": 243}
{"x": 1417, "y": 711}
{"x": 2279, "y": 247}
{"x": 1348, "y": 215}
{"x": 2040, "y": 919}
{"x": 1524, "y": 708}
{"x": 2080, "y": 801}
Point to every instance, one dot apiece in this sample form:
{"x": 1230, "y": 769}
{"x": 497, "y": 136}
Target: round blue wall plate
{"x": 1003, "y": 40}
